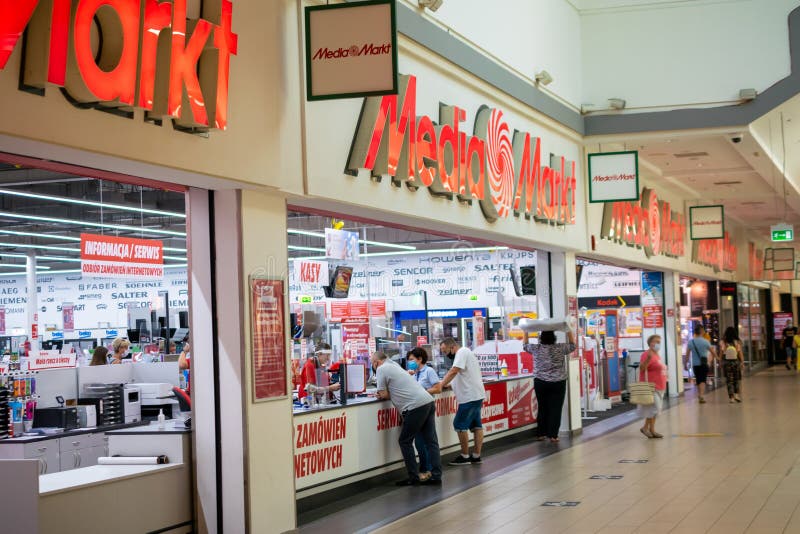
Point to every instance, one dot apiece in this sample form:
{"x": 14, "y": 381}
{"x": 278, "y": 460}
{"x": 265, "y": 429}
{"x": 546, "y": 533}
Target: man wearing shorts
{"x": 698, "y": 349}
{"x": 465, "y": 376}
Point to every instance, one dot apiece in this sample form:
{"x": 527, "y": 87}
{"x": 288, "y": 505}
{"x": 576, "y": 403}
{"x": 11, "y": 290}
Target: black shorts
{"x": 701, "y": 372}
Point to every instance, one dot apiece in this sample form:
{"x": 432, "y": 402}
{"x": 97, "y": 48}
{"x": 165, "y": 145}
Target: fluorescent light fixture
{"x": 97, "y": 203}
{"x": 17, "y": 265}
{"x": 137, "y": 229}
{"x": 42, "y": 247}
{"x": 69, "y": 238}
{"x": 417, "y": 252}
{"x": 176, "y": 258}
{"x": 176, "y": 266}
{"x": 45, "y": 258}
{"x": 374, "y": 243}
{"x": 310, "y": 249}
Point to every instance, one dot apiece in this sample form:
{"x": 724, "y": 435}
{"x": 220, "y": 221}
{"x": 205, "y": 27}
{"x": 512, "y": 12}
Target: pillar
{"x": 31, "y": 305}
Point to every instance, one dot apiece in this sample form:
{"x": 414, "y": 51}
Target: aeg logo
{"x": 183, "y": 75}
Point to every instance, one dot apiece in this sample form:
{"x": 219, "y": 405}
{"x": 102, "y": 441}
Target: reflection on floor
{"x": 721, "y": 468}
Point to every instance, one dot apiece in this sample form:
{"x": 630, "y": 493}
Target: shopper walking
{"x": 419, "y": 416}
{"x": 699, "y": 349}
{"x": 550, "y": 381}
{"x": 653, "y": 370}
{"x": 732, "y": 363}
{"x": 416, "y": 362}
{"x": 465, "y": 375}
{"x": 788, "y": 344}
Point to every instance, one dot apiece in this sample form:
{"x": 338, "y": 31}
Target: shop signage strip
{"x": 351, "y": 50}
{"x": 267, "y": 323}
{"x": 707, "y": 222}
{"x": 613, "y": 176}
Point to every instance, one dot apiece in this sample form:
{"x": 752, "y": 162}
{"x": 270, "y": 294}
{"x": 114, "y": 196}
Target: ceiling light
{"x": 616, "y": 103}
{"x": 17, "y": 265}
{"x": 93, "y": 203}
{"x": 433, "y": 5}
{"x": 309, "y": 249}
{"x": 368, "y": 242}
{"x": 747, "y": 94}
{"x": 34, "y": 234}
{"x": 176, "y": 258}
{"x": 543, "y": 78}
{"x": 43, "y": 247}
{"x": 137, "y": 229}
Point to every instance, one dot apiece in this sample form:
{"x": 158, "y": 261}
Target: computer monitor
{"x": 133, "y": 335}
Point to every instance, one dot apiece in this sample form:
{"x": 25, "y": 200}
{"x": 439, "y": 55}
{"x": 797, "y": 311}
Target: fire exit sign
{"x": 782, "y": 232}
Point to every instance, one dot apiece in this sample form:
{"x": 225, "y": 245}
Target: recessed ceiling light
{"x": 93, "y": 203}
{"x": 137, "y": 229}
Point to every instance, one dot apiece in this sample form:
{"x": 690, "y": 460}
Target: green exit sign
{"x": 306, "y": 299}
{"x": 783, "y": 235}
{"x": 473, "y": 297}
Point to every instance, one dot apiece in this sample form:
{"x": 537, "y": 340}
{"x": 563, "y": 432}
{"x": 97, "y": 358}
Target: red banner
{"x": 357, "y": 309}
{"x": 121, "y": 257}
{"x": 653, "y": 316}
{"x": 493, "y": 413}
{"x": 269, "y": 341}
{"x": 521, "y": 401}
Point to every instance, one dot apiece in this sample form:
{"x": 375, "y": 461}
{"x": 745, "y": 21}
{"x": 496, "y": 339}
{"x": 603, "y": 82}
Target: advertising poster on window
{"x": 780, "y": 320}
{"x": 595, "y": 322}
{"x": 630, "y": 322}
{"x": 652, "y": 289}
{"x": 2, "y": 320}
{"x": 68, "y": 316}
{"x": 653, "y": 316}
{"x": 269, "y": 340}
{"x": 341, "y": 244}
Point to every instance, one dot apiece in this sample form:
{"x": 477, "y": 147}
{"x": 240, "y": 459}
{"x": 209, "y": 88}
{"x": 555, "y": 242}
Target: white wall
{"x": 527, "y": 35}
{"x": 684, "y": 53}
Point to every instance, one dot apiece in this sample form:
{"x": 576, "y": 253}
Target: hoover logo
{"x": 353, "y": 51}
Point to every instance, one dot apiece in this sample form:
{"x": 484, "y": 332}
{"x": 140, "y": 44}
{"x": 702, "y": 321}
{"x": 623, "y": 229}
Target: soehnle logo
{"x": 148, "y": 56}
{"x": 353, "y": 51}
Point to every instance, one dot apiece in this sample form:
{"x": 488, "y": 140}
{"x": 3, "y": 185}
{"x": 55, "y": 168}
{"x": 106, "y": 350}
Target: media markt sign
{"x": 499, "y": 168}
{"x": 149, "y": 55}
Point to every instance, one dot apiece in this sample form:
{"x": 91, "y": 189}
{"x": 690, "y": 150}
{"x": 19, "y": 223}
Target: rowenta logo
{"x": 353, "y": 51}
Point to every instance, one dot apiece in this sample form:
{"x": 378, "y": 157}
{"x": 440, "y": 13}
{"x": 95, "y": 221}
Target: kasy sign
{"x": 121, "y": 257}
{"x": 496, "y": 166}
{"x": 148, "y": 56}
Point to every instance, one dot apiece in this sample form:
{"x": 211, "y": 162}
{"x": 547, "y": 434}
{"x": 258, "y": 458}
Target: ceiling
{"x": 45, "y": 212}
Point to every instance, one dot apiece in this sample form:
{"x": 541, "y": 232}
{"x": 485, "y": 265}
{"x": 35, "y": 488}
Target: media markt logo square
{"x": 368, "y": 49}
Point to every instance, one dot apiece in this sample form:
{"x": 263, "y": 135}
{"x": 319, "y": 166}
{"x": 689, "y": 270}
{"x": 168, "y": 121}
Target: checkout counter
{"x": 338, "y": 444}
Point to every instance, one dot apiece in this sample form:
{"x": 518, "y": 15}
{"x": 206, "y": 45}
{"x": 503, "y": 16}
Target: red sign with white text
{"x": 125, "y": 68}
{"x": 269, "y": 342}
{"x": 52, "y": 359}
{"x": 356, "y": 309}
{"x": 521, "y": 401}
{"x": 121, "y": 257}
{"x": 653, "y": 316}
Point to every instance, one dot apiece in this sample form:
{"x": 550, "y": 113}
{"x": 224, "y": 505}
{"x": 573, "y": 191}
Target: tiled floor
{"x": 721, "y": 468}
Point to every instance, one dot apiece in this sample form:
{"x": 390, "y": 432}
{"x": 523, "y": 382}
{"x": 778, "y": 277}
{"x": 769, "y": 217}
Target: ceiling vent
{"x": 753, "y": 203}
{"x": 731, "y": 182}
{"x": 691, "y": 154}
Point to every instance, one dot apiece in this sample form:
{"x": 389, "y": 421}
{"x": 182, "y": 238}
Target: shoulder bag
{"x": 642, "y": 393}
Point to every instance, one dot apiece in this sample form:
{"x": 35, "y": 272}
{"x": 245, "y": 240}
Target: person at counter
{"x": 419, "y": 417}
{"x": 120, "y": 346}
{"x": 99, "y": 356}
{"x": 417, "y": 359}
{"x": 465, "y": 374}
{"x": 550, "y": 381}
{"x": 315, "y": 365}
{"x": 185, "y": 363}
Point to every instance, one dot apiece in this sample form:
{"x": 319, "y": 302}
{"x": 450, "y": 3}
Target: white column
{"x": 32, "y": 299}
{"x": 672, "y": 338}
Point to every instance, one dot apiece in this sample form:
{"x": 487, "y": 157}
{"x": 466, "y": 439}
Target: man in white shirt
{"x": 465, "y": 376}
{"x": 419, "y": 416}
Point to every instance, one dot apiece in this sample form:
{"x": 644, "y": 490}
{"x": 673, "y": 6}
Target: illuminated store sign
{"x": 648, "y": 224}
{"x": 755, "y": 261}
{"x": 719, "y": 254}
{"x": 184, "y": 76}
{"x": 499, "y": 168}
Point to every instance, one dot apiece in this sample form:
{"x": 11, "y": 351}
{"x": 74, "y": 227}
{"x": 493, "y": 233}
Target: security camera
{"x": 736, "y": 139}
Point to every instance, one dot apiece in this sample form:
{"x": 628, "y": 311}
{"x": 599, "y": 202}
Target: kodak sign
{"x": 500, "y": 169}
{"x": 648, "y": 224}
{"x": 125, "y": 54}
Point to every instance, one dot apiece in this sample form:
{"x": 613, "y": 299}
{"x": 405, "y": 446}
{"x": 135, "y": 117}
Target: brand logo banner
{"x": 351, "y": 50}
{"x": 707, "y": 222}
{"x": 614, "y": 176}
{"x": 121, "y": 257}
{"x": 498, "y": 168}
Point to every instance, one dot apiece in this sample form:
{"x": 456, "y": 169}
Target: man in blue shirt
{"x": 698, "y": 349}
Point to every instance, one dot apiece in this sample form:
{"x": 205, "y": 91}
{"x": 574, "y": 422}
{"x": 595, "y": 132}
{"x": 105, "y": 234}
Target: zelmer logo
{"x": 353, "y": 51}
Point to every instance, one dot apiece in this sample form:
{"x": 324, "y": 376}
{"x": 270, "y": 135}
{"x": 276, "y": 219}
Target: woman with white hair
{"x": 120, "y": 347}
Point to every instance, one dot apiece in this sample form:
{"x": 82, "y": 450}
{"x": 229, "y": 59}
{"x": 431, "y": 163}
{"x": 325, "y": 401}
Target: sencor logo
{"x": 353, "y": 51}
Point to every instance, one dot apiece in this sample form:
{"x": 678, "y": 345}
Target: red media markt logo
{"x": 352, "y": 51}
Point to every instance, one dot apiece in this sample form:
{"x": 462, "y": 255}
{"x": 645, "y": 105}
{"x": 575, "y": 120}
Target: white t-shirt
{"x": 467, "y": 384}
{"x": 404, "y": 391}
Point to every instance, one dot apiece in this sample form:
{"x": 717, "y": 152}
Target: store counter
{"x": 132, "y": 498}
{"x": 335, "y": 444}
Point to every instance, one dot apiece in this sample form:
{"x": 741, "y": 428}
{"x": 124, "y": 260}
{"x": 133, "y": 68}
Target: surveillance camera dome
{"x": 736, "y": 138}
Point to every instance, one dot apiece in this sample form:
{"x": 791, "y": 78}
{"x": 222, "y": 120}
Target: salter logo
{"x": 369, "y": 49}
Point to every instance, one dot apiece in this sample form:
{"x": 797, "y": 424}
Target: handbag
{"x": 642, "y": 393}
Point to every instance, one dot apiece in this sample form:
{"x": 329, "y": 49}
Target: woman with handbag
{"x": 733, "y": 361}
{"x": 652, "y": 370}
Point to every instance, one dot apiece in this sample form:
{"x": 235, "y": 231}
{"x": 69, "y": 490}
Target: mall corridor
{"x": 721, "y": 468}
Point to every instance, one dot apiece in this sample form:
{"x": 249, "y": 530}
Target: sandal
{"x": 657, "y": 435}
{"x": 554, "y": 440}
{"x": 646, "y": 432}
